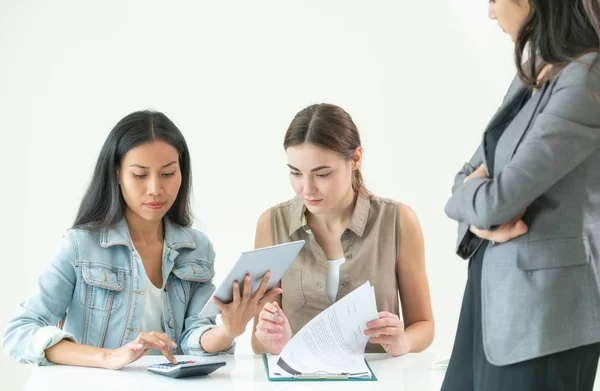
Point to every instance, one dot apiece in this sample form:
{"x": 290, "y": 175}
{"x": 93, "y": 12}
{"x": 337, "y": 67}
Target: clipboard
{"x": 318, "y": 376}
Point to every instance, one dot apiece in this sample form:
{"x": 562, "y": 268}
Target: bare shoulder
{"x": 411, "y": 252}
{"x": 264, "y": 220}
{"x": 263, "y": 230}
{"x": 408, "y": 218}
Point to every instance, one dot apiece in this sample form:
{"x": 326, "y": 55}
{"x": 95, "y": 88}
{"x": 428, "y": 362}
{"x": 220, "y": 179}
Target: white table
{"x": 242, "y": 372}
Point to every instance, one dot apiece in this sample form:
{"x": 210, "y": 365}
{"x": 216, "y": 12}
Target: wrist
{"x": 229, "y": 334}
{"x": 407, "y": 346}
{"x": 104, "y": 358}
{"x": 407, "y": 343}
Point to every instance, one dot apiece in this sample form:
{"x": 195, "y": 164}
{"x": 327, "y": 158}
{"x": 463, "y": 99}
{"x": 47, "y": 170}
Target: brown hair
{"x": 329, "y": 127}
{"x": 555, "y": 32}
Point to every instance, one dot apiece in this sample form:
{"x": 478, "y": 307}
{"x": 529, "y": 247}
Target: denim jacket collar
{"x": 175, "y": 236}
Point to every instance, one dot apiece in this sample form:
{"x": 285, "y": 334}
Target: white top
{"x": 333, "y": 278}
{"x": 152, "y": 319}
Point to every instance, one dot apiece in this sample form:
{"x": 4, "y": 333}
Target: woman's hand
{"x": 481, "y": 171}
{"x": 241, "y": 310}
{"x": 508, "y": 231}
{"x": 126, "y": 354}
{"x": 273, "y": 329}
{"x": 388, "y": 331}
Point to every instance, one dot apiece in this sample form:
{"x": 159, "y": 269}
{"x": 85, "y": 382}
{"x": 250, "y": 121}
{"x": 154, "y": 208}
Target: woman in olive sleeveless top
{"x": 351, "y": 237}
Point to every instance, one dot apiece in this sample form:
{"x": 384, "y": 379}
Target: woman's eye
{"x": 323, "y": 175}
{"x": 295, "y": 173}
{"x": 168, "y": 174}
{"x": 139, "y": 176}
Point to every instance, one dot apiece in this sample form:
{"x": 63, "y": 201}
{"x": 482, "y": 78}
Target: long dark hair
{"x": 329, "y": 127}
{"x": 103, "y": 205}
{"x": 556, "y": 32}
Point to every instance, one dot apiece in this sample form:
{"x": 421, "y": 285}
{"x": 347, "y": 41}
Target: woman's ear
{"x": 357, "y": 158}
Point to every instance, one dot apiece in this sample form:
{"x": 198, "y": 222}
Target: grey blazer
{"x": 540, "y": 291}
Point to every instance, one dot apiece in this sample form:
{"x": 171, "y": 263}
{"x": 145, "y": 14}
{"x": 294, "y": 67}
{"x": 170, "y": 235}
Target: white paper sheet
{"x": 334, "y": 341}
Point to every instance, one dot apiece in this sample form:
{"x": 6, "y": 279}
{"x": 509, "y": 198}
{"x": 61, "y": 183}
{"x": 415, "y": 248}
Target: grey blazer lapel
{"x": 511, "y": 98}
{"x": 514, "y": 133}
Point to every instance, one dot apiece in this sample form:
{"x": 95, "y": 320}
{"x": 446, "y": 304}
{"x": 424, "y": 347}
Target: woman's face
{"x": 150, "y": 179}
{"x": 320, "y": 177}
{"x": 510, "y": 15}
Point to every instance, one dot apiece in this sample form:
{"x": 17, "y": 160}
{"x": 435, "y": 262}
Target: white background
{"x": 420, "y": 78}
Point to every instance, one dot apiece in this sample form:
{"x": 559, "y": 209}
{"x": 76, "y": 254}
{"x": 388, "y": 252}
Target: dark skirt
{"x": 570, "y": 370}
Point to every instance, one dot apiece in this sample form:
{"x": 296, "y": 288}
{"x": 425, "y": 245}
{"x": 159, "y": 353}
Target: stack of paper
{"x": 332, "y": 344}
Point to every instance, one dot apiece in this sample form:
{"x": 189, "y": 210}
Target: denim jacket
{"x": 98, "y": 280}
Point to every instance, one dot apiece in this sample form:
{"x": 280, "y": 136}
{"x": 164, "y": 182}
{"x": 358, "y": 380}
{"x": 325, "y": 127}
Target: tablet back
{"x": 257, "y": 262}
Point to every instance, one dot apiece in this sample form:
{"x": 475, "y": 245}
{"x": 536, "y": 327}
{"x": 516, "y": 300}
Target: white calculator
{"x": 186, "y": 368}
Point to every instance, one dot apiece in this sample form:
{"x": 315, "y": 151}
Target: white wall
{"x": 420, "y": 78}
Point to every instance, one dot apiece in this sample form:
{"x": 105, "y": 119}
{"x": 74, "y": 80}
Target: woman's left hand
{"x": 245, "y": 305}
{"x": 480, "y": 172}
{"x": 388, "y": 331}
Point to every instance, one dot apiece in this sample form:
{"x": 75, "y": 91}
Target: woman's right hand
{"x": 273, "y": 329}
{"x": 126, "y": 354}
{"x": 508, "y": 231}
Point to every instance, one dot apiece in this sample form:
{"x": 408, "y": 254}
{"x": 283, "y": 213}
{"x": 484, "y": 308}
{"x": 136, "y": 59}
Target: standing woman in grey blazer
{"x": 528, "y": 208}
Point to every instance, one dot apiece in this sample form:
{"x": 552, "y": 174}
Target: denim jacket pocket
{"x": 194, "y": 270}
{"x": 191, "y": 271}
{"x": 101, "y": 287}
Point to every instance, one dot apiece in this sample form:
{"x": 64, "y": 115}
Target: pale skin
{"x": 509, "y": 14}
{"x": 150, "y": 176}
{"x": 325, "y": 178}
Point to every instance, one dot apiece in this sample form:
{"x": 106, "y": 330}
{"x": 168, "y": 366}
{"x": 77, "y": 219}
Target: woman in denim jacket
{"x": 131, "y": 277}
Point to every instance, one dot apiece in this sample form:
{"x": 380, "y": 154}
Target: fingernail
{"x": 235, "y": 284}
{"x": 162, "y": 343}
{"x": 173, "y": 344}
{"x": 247, "y": 277}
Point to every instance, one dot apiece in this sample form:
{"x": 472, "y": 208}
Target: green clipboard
{"x": 318, "y": 377}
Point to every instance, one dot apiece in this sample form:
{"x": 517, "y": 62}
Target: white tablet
{"x": 257, "y": 262}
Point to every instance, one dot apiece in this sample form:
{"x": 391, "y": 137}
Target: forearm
{"x": 71, "y": 353}
{"x": 485, "y": 203}
{"x": 257, "y": 346}
{"x": 215, "y": 340}
{"x": 419, "y": 335}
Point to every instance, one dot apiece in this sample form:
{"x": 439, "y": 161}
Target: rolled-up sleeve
{"x": 31, "y": 331}
{"x": 42, "y": 339}
{"x": 195, "y": 325}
